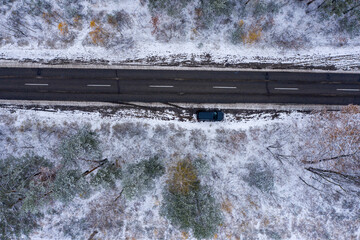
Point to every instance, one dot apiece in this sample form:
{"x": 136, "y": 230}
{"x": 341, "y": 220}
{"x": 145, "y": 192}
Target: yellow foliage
{"x": 63, "y": 28}
{"x": 185, "y": 235}
{"x": 241, "y": 23}
{"x": 215, "y": 236}
{"x": 182, "y": 177}
{"x": 253, "y": 35}
{"x": 93, "y": 23}
{"x": 98, "y": 35}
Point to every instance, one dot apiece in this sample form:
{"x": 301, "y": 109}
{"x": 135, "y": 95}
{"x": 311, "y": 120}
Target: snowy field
{"x": 320, "y": 34}
{"x": 284, "y": 176}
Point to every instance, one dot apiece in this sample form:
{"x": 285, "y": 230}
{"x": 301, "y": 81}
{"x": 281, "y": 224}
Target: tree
{"x": 83, "y": 145}
{"x": 17, "y": 183}
{"x": 188, "y": 204}
{"x": 139, "y": 178}
{"x": 331, "y": 148}
{"x": 333, "y": 138}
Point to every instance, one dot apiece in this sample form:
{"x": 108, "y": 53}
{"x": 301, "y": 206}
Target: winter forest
{"x": 135, "y": 174}
{"x": 167, "y": 31}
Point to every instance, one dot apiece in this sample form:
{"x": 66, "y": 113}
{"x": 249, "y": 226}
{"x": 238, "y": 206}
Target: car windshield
{"x": 215, "y": 115}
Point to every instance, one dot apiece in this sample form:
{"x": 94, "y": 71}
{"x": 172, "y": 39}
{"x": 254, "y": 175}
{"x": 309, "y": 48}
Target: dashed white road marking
{"x": 224, "y": 87}
{"x": 348, "y": 89}
{"x": 161, "y": 86}
{"x": 98, "y": 85}
{"x": 36, "y": 84}
{"x": 287, "y": 89}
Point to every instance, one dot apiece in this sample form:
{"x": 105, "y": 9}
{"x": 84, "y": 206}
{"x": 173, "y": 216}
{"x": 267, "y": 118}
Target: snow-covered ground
{"x": 249, "y": 34}
{"x": 256, "y": 172}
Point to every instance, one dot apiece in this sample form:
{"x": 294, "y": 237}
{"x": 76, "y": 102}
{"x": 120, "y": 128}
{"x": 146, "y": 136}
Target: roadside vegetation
{"x": 77, "y": 178}
{"x": 294, "y": 24}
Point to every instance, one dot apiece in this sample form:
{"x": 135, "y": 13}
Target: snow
{"x": 286, "y": 208}
{"x": 308, "y": 41}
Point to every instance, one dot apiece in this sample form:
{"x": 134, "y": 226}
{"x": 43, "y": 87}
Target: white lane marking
{"x": 98, "y": 85}
{"x": 179, "y": 79}
{"x": 161, "y": 86}
{"x": 348, "y": 89}
{"x": 224, "y": 87}
{"x": 287, "y": 89}
{"x": 36, "y": 84}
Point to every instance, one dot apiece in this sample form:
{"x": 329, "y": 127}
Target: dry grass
{"x": 227, "y": 206}
{"x": 182, "y": 177}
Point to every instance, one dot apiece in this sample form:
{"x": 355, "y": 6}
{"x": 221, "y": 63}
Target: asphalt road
{"x": 114, "y": 85}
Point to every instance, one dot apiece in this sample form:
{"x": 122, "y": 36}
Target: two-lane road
{"x": 119, "y": 85}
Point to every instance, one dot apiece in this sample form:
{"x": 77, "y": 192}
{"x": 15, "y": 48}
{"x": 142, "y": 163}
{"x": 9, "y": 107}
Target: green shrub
{"x": 172, "y": 7}
{"x": 139, "y": 178}
{"x": 347, "y": 14}
{"x": 216, "y": 7}
{"x": 68, "y": 184}
{"x": 261, "y": 8}
{"x": 188, "y": 204}
{"x": 35, "y": 197}
{"x": 238, "y": 35}
{"x": 107, "y": 175}
{"x": 260, "y": 178}
{"x": 16, "y": 183}
{"x": 197, "y": 210}
{"x": 14, "y": 223}
{"x": 82, "y": 145}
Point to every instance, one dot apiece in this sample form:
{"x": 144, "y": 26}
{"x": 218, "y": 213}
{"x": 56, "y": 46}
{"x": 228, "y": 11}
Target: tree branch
{"x": 309, "y": 184}
{"x": 332, "y": 158}
{"x": 349, "y": 10}
{"x": 328, "y": 174}
{"x": 119, "y": 195}
{"x": 101, "y": 163}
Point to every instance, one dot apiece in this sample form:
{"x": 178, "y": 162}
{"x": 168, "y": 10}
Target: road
{"x": 116, "y": 85}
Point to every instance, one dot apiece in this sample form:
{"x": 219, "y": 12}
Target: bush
{"x": 188, "y": 204}
{"x": 346, "y": 12}
{"x": 260, "y": 8}
{"x": 107, "y": 176}
{"x": 68, "y": 184}
{"x": 129, "y": 130}
{"x": 260, "y": 178}
{"x": 16, "y": 182}
{"x": 239, "y": 34}
{"x": 172, "y": 7}
{"x": 120, "y": 19}
{"x": 289, "y": 39}
{"x": 183, "y": 178}
{"x": 84, "y": 144}
{"x": 212, "y": 8}
{"x": 196, "y": 210}
{"x": 139, "y": 178}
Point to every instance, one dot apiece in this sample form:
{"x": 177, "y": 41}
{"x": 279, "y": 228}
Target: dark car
{"x": 209, "y": 115}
